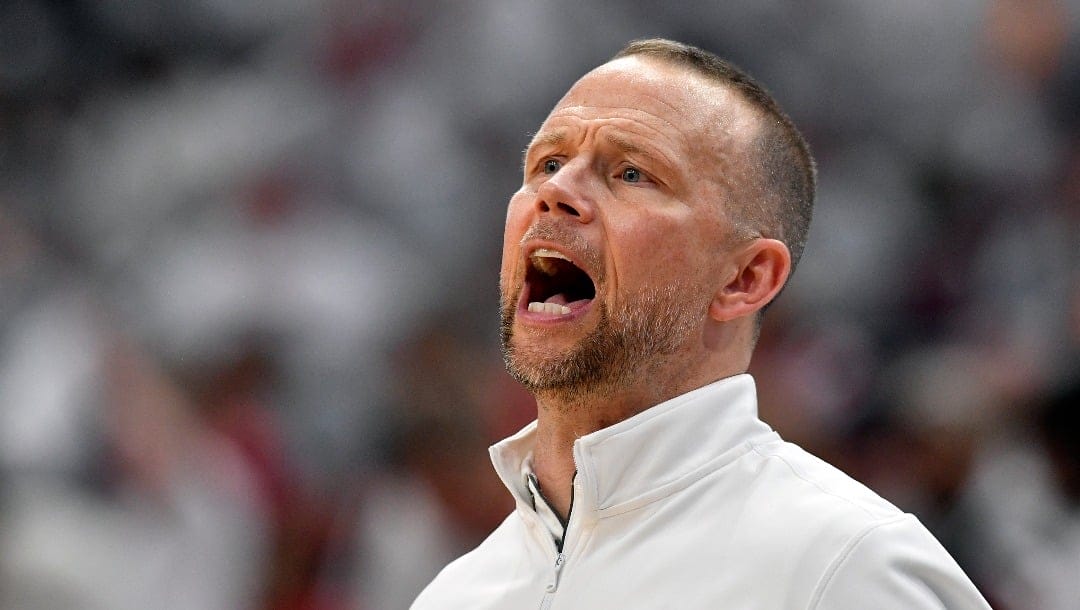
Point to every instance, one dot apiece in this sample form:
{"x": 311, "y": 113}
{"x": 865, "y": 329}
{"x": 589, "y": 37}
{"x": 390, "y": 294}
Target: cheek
{"x": 663, "y": 250}
{"x": 653, "y": 237}
{"x": 517, "y": 222}
{"x": 517, "y": 217}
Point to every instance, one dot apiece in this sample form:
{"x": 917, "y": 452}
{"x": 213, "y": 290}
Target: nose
{"x": 567, "y": 192}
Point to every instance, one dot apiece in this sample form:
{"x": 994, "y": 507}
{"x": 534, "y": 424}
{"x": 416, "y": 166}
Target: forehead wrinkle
{"x": 563, "y": 110}
{"x": 679, "y": 145}
{"x": 663, "y": 102}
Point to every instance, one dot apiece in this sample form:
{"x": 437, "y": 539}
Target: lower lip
{"x": 577, "y": 310}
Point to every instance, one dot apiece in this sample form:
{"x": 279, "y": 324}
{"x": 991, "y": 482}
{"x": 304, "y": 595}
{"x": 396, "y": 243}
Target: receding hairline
{"x": 733, "y": 96}
{"x": 788, "y": 165}
{"x": 705, "y": 65}
{"x": 748, "y": 103}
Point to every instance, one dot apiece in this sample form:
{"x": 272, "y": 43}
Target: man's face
{"x": 615, "y": 243}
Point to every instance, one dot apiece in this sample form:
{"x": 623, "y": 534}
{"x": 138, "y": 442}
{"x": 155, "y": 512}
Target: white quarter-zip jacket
{"x": 693, "y": 504}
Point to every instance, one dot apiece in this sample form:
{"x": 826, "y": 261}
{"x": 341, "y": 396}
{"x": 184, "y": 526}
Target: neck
{"x": 563, "y": 417}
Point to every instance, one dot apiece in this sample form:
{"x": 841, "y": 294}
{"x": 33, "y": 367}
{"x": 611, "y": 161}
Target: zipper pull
{"x": 554, "y": 584}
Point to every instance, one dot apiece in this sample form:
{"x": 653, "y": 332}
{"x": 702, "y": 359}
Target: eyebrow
{"x": 558, "y": 137}
{"x": 553, "y": 138}
{"x": 548, "y": 138}
{"x": 626, "y": 146}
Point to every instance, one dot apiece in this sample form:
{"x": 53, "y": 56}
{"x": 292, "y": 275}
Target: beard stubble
{"x": 624, "y": 345}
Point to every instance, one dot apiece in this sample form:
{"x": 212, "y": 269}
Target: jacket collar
{"x": 651, "y": 453}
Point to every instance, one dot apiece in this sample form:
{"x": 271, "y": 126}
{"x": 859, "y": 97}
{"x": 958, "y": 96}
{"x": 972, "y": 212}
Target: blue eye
{"x": 551, "y": 166}
{"x": 631, "y": 174}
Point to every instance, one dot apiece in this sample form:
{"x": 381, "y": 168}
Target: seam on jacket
{"x": 825, "y": 490}
{"x": 843, "y": 555}
{"x": 669, "y": 407}
{"x": 665, "y": 490}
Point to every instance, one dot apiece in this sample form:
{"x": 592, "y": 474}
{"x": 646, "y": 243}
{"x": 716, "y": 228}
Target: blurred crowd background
{"x": 248, "y": 281}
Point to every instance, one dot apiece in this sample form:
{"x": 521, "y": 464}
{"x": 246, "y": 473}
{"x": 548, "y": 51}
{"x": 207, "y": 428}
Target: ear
{"x": 760, "y": 270}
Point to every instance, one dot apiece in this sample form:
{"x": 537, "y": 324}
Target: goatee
{"x": 621, "y": 347}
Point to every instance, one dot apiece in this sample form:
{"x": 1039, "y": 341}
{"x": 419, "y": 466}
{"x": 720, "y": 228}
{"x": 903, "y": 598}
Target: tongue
{"x": 558, "y": 299}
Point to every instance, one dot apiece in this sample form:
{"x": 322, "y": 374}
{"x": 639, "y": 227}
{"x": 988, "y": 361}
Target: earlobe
{"x": 760, "y": 271}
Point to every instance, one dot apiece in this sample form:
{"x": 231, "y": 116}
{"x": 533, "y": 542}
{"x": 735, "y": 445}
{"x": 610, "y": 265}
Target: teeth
{"x": 544, "y": 252}
{"x": 541, "y": 260}
{"x": 552, "y": 308}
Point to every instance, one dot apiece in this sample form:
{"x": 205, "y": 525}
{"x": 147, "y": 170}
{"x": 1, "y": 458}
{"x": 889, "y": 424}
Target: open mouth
{"x": 555, "y": 285}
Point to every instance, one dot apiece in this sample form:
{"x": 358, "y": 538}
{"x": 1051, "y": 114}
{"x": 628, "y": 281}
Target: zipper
{"x": 560, "y": 556}
{"x": 553, "y": 585}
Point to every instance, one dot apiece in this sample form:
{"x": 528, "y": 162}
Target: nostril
{"x": 544, "y": 207}
{"x": 568, "y": 209}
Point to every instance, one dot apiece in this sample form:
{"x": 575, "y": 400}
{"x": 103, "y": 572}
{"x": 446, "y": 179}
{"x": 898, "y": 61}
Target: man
{"x": 665, "y": 202}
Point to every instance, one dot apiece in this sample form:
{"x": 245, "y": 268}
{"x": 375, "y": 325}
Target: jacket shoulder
{"x": 867, "y": 551}
{"x": 895, "y": 565}
{"x": 814, "y": 482}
